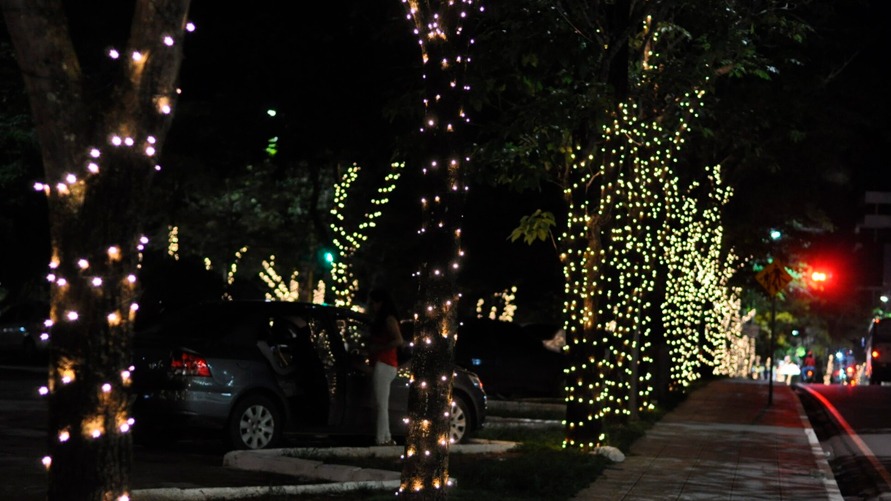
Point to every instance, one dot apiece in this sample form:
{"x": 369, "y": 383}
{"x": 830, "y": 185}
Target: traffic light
{"x": 327, "y": 257}
{"x": 818, "y": 277}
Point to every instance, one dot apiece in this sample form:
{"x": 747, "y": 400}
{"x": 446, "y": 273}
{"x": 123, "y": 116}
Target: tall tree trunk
{"x": 98, "y": 154}
{"x": 444, "y": 40}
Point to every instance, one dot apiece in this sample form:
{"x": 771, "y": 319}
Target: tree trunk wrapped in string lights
{"x": 99, "y": 147}
{"x": 444, "y": 40}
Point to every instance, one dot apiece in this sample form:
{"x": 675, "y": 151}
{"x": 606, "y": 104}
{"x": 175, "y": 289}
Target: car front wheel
{"x": 459, "y": 420}
{"x": 255, "y": 423}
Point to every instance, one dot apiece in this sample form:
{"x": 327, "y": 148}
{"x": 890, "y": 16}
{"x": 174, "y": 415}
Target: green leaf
{"x": 536, "y": 226}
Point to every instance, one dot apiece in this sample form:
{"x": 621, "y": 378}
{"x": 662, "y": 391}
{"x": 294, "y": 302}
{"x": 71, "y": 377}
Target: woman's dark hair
{"x": 388, "y": 307}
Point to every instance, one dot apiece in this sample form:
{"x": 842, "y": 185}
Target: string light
{"x": 610, "y": 279}
{"x": 104, "y": 278}
{"x": 442, "y": 38}
{"x": 349, "y": 241}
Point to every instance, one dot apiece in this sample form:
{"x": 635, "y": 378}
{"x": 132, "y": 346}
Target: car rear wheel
{"x": 255, "y": 423}
{"x": 459, "y": 420}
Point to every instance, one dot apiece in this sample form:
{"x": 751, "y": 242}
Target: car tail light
{"x": 849, "y": 370}
{"x": 189, "y": 364}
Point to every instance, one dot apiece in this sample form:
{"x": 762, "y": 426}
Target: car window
{"x": 355, "y": 333}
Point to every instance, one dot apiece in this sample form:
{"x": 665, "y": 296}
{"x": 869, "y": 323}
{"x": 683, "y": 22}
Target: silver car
{"x": 257, "y": 371}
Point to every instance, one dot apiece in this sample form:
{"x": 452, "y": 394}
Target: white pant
{"x": 381, "y": 378}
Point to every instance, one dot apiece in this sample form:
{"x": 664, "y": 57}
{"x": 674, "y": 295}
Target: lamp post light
{"x": 775, "y": 236}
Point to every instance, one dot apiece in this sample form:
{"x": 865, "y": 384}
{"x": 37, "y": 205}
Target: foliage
{"x": 268, "y": 207}
{"x": 535, "y": 226}
{"x": 600, "y": 98}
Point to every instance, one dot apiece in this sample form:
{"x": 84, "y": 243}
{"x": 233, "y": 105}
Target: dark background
{"x": 335, "y": 72}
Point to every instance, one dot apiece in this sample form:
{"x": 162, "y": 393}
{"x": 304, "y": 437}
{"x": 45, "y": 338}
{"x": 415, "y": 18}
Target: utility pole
{"x": 773, "y": 278}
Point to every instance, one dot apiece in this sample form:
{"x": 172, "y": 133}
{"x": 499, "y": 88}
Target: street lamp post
{"x": 775, "y": 236}
{"x": 773, "y": 323}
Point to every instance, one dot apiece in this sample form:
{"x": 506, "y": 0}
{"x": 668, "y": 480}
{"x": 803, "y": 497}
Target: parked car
{"x": 23, "y": 333}
{"x": 514, "y": 360}
{"x": 259, "y": 370}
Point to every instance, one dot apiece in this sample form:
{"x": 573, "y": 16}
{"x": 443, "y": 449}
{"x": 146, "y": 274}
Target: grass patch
{"x": 538, "y": 468}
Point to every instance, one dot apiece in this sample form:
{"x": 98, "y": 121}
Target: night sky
{"x": 331, "y": 68}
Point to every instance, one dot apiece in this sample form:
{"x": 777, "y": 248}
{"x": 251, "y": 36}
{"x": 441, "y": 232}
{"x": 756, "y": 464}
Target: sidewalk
{"x": 724, "y": 443}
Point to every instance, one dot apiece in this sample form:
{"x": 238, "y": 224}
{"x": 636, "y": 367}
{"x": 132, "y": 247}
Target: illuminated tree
{"x": 101, "y": 126}
{"x": 602, "y": 100}
{"x": 444, "y": 37}
{"x": 348, "y": 241}
{"x": 701, "y": 311}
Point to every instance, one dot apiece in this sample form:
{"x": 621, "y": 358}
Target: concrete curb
{"x": 307, "y": 463}
{"x": 220, "y": 493}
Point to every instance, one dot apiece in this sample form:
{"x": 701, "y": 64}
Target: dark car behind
{"x": 23, "y": 332}
{"x": 878, "y": 352}
{"x": 257, "y": 371}
{"x": 514, "y": 360}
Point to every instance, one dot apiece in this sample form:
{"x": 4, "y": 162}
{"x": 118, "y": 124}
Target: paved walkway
{"x": 724, "y": 443}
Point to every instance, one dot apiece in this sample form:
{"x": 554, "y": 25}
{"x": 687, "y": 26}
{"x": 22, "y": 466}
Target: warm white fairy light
{"x": 610, "y": 277}
{"x": 279, "y": 288}
{"x": 348, "y": 241}
{"x": 443, "y": 40}
{"x": 107, "y": 274}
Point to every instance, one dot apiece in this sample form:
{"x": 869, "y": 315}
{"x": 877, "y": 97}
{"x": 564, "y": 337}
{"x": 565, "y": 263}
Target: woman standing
{"x": 385, "y": 339}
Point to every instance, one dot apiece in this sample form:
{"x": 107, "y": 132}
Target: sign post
{"x": 773, "y": 278}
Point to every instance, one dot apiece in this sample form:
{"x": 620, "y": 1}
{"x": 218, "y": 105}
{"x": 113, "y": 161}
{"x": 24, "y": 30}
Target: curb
{"x": 220, "y": 493}
{"x": 306, "y": 463}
